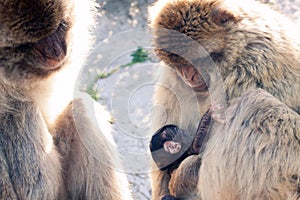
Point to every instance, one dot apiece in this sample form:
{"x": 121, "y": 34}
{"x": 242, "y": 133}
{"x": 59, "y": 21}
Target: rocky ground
{"x": 127, "y": 92}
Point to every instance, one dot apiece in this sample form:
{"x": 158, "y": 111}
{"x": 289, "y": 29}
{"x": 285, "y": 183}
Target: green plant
{"x": 138, "y": 56}
{"x": 92, "y": 91}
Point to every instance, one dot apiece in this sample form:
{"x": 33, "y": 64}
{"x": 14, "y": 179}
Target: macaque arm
{"x": 174, "y": 103}
{"x": 184, "y": 179}
{"x": 90, "y": 159}
{"x": 261, "y": 136}
{"x": 27, "y": 154}
{"x": 6, "y": 185}
{"x": 203, "y": 128}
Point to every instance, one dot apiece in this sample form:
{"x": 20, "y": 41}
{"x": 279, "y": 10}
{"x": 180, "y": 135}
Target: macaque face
{"x": 33, "y": 37}
{"x": 192, "y": 77}
{"x": 188, "y": 33}
{"x": 52, "y": 49}
{"x": 172, "y": 147}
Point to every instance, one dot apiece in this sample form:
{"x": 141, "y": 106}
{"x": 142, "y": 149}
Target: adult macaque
{"x": 252, "y": 47}
{"x": 45, "y": 135}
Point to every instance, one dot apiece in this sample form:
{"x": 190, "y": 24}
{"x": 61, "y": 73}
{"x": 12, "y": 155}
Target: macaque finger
{"x": 215, "y": 106}
{"x": 220, "y": 118}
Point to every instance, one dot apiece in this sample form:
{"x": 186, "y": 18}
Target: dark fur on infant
{"x": 170, "y": 144}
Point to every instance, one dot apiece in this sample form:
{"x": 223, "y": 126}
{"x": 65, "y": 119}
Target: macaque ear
{"x": 221, "y": 17}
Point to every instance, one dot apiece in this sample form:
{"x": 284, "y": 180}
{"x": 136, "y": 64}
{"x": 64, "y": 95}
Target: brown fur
{"x": 51, "y": 146}
{"x": 30, "y": 164}
{"x": 252, "y": 46}
{"x": 90, "y": 165}
{"x": 188, "y": 170}
{"x": 254, "y": 156}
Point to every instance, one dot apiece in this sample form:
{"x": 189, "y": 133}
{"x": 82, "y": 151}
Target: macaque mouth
{"x": 194, "y": 78}
{"x": 200, "y": 88}
{"x": 52, "y": 49}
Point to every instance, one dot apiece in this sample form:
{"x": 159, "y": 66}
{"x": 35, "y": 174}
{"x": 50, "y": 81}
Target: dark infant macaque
{"x": 170, "y": 145}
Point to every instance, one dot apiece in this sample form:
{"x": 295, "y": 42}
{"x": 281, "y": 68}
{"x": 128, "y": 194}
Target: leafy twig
{"x": 139, "y": 56}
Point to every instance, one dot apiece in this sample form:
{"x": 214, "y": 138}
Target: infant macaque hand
{"x": 215, "y": 108}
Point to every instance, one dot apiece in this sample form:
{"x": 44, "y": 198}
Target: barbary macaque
{"x": 170, "y": 146}
{"x": 170, "y": 140}
{"x": 256, "y": 51}
{"x": 54, "y": 141}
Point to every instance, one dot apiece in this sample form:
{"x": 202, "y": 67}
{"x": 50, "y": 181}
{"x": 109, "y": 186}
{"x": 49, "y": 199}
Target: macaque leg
{"x": 160, "y": 184}
{"x": 184, "y": 180}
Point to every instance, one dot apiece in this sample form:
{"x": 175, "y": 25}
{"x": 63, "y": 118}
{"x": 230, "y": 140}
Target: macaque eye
{"x": 224, "y": 20}
{"x": 221, "y": 17}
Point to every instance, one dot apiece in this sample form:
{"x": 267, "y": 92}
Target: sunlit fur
{"x": 52, "y": 145}
{"x": 252, "y": 47}
{"x": 254, "y": 155}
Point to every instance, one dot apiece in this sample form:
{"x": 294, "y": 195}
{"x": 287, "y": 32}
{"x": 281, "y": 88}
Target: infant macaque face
{"x": 172, "y": 147}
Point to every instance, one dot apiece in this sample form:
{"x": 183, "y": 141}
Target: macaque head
{"x": 208, "y": 22}
{"x": 33, "y": 36}
{"x": 182, "y": 27}
{"x": 168, "y": 146}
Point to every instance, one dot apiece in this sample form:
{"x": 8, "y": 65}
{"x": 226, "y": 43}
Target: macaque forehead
{"x": 203, "y": 21}
{"x": 193, "y": 15}
{"x": 30, "y": 20}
